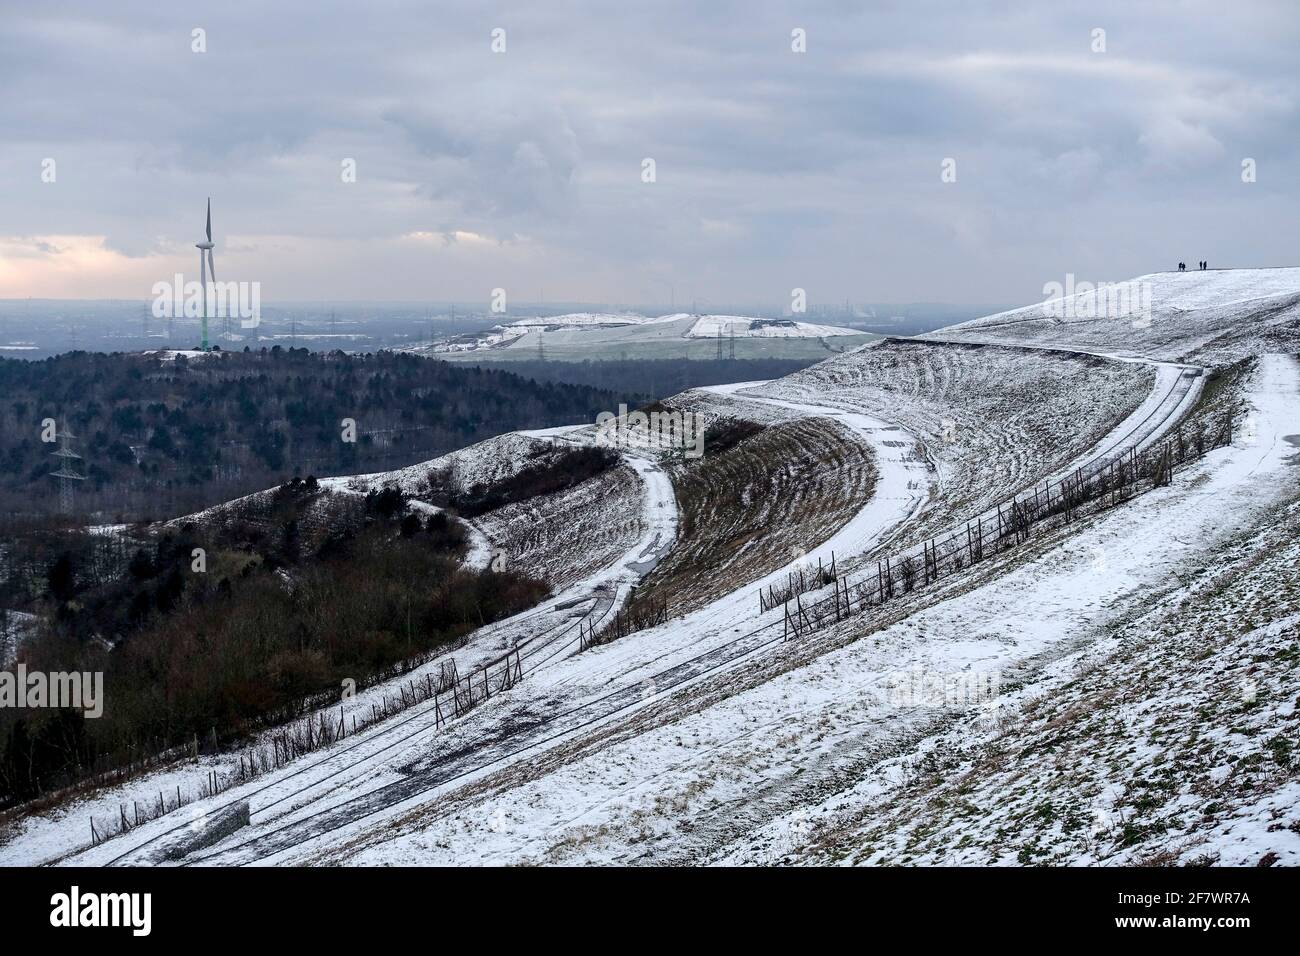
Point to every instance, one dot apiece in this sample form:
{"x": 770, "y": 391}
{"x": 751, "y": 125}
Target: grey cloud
{"x": 772, "y": 165}
{"x": 495, "y": 161}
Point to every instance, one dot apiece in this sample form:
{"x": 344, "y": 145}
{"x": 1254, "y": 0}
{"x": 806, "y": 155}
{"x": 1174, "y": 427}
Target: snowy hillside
{"x": 1215, "y": 317}
{"x": 589, "y": 335}
{"x": 700, "y": 326}
{"x": 754, "y": 656}
{"x": 713, "y": 326}
{"x": 991, "y": 420}
{"x": 587, "y": 320}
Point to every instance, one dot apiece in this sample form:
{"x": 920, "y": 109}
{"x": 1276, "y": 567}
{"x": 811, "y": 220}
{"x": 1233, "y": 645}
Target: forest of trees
{"x": 165, "y": 438}
{"x": 297, "y": 591}
{"x": 300, "y": 588}
{"x": 548, "y": 475}
{"x": 650, "y": 378}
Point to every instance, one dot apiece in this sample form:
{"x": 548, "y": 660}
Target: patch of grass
{"x": 805, "y": 477}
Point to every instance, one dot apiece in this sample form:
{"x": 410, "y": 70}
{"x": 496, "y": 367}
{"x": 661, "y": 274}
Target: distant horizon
{"x": 629, "y": 305}
{"x": 585, "y": 306}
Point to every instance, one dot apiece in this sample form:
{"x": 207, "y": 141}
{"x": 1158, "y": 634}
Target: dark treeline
{"x": 164, "y": 438}
{"x": 295, "y": 592}
{"x": 547, "y": 475}
{"x": 651, "y": 378}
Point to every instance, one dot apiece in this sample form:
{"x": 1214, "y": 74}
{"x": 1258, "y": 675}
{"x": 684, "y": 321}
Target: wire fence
{"x": 1104, "y": 484}
{"x": 637, "y": 615}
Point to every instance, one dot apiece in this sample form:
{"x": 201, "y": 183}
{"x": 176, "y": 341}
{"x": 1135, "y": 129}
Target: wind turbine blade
{"x": 209, "y": 219}
{"x": 212, "y": 268}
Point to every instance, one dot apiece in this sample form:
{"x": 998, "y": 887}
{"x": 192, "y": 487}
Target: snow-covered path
{"x": 902, "y": 487}
{"x": 479, "y": 552}
{"x": 1132, "y": 558}
{"x": 550, "y": 630}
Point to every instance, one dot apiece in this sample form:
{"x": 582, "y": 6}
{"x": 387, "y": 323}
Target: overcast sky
{"x": 523, "y": 169}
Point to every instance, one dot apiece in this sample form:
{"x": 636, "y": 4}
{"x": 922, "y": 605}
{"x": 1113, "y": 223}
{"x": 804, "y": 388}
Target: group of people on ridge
{"x": 1202, "y": 265}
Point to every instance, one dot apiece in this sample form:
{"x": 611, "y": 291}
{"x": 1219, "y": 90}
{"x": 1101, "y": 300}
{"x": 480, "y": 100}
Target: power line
{"x": 66, "y": 470}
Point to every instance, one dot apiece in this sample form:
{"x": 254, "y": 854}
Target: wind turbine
{"x": 206, "y": 266}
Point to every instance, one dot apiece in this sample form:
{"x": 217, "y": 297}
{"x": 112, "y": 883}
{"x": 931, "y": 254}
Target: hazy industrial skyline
{"x": 524, "y": 168}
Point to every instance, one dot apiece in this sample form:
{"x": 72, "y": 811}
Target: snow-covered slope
{"x": 713, "y": 326}
{"x": 1211, "y": 317}
{"x": 1163, "y": 729}
{"x": 588, "y": 335}
{"x": 991, "y": 420}
{"x": 697, "y": 325}
{"x": 589, "y": 320}
{"x": 1091, "y": 706}
{"x": 816, "y": 756}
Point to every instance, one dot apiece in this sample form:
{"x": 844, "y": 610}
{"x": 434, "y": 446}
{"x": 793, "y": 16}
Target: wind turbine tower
{"x": 206, "y": 267}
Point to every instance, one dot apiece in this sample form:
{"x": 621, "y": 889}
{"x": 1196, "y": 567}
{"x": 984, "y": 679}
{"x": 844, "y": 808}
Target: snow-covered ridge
{"x": 700, "y": 326}
{"x": 1213, "y": 317}
{"x": 579, "y": 320}
{"x": 712, "y": 326}
{"x": 1174, "y": 292}
{"x": 622, "y": 329}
